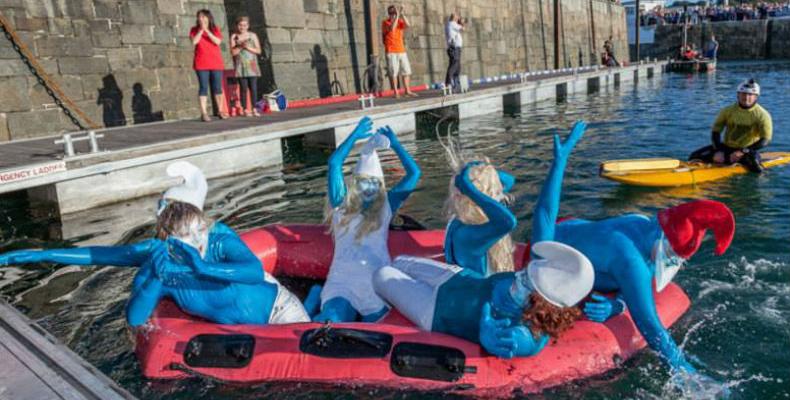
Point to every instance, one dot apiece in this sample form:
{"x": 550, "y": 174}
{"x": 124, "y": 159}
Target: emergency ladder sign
{"x": 30, "y": 172}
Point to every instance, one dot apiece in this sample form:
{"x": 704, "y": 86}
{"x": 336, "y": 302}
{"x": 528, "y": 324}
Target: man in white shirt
{"x": 452, "y": 33}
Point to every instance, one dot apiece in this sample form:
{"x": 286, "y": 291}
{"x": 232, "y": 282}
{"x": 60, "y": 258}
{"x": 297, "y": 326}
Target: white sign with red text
{"x": 30, "y": 172}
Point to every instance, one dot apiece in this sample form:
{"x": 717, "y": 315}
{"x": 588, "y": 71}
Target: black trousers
{"x": 454, "y": 69}
{"x": 251, "y": 83}
{"x": 749, "y": 160}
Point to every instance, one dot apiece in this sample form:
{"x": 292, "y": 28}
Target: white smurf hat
{"x": 192, "y": 190}
{"x": 563, "y": 275}
{"x": 369, "y": 163}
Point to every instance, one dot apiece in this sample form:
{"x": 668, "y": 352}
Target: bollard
{"x": 366, "y": 102}
{"x": 93, "y": 143}
{"x": 464, "y": 84}
{"x": 67, "y": 144}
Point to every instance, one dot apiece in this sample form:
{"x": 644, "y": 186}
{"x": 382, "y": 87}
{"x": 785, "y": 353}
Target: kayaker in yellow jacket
{"x": 747, "y": 128}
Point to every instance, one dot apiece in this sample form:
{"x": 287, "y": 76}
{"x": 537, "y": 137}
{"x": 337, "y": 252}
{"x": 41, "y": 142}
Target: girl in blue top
{"x": 509, "y": 314}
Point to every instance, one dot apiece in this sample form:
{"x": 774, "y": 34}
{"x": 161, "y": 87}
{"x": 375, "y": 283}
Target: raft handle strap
{"x": 329, "y": 342}
{"x": 321, "y": 337}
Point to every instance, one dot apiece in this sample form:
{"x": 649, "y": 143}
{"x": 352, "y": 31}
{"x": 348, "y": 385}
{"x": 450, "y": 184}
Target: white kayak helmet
{"x": 749, "y": 86}
{"x": 562, "y": 275}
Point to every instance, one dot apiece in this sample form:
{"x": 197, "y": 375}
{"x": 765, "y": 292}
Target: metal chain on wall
{"x": 52, "y": 88}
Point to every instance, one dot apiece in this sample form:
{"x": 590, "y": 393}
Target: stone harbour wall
{"x": 121, "y": 62}
{"x": 130, "y": 61}
{"x": 738, "y": 40}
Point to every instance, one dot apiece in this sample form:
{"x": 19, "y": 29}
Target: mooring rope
{"x": 53, "y": 89}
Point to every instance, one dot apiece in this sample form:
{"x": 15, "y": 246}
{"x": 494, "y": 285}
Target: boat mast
{"x": 685, "y": 25}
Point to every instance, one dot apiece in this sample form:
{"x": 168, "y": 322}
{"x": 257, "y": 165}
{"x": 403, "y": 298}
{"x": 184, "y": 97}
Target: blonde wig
{"x": 485, "y": 178}
{"x": 353, "y": 205}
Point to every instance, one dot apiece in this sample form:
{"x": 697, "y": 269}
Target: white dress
{"x": 354, "y": 262}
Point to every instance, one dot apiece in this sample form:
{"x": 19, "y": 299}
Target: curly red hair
{"x": 544, "y": 317}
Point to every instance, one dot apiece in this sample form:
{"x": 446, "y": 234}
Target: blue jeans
{"x": 214, "y": 76}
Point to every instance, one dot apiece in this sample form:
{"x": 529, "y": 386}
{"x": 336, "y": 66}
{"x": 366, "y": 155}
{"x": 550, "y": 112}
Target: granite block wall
{"x": 130, "y": 61}
{"x": 738, "y": 40}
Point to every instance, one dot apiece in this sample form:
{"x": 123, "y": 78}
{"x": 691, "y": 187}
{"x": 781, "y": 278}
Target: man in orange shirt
{"x": 397, "y": 61}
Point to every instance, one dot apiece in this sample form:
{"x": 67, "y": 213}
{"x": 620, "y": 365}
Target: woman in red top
{"x": 206, "y": 37}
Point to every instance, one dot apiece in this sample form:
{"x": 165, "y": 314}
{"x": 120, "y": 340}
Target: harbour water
{"x": 736, "y": 331}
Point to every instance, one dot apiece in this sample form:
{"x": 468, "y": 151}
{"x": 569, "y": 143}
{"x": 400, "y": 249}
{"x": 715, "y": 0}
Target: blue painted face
{"x": 368, "y": 188}
{"x": 665, "y": 255}
{"x": 666, "y": 262}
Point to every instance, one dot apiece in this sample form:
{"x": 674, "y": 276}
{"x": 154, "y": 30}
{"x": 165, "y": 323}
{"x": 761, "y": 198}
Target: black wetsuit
{"x": 745, "y": 129}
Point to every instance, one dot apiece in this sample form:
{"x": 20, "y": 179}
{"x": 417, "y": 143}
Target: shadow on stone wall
{"x": 111, "y": 100}
{"x": 427, "y": 22}
{"x": 320, "y": 64}
{"x": 352, "y": 40}
{"x": 142, "y": 110}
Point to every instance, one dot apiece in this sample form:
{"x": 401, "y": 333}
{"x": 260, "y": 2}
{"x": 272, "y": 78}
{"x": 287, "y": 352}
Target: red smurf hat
{"x": 685, "y": 226}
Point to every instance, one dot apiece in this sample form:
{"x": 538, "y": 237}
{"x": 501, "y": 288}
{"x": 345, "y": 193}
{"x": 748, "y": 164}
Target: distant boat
{"x": 692, "y": 65}
{"x": 689, "y": 66}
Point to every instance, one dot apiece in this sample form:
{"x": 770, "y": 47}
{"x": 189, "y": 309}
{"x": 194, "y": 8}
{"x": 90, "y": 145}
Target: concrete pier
{"x": 132, "y": 159}
{"x": 36, "y": 366}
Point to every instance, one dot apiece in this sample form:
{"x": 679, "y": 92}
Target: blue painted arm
{"x": 506, "y": 338}
{"x": 601, "y": 308}
{"x": 143, "y": 301}
{"x": 635, "y": 282}
{"x": 147, "y": 288}
{"x": 121, "y": 256}
{"x": 548, "y": 205}
{"x": 507, "y": 180}
{"x": 500, "y": 219}
{"x": 238, "y": 264}
{"x": 491, "y": 334}
{"x": 336, "y": 185}
{"x": 526, "y": 344}
{"x": 398, "y": 194}
{"x": 504, "y": 305}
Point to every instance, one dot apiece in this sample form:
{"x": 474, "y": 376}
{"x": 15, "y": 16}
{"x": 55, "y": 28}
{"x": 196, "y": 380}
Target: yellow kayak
{"x": 664, "y": 172}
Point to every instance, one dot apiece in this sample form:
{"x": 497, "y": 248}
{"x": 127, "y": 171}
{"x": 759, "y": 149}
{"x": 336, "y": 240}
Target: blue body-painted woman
{"x": 359, "y": 218}
{"x": 629, "y": 252}
{"x": 205, "y": 268}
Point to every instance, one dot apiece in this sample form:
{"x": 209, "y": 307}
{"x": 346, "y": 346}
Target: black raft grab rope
{"x": 53, "y": 89}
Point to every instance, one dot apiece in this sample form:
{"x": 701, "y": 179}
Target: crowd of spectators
{"x": 699, "y": 14}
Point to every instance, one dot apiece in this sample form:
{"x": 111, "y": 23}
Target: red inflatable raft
{"x": 392, "y": 353}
